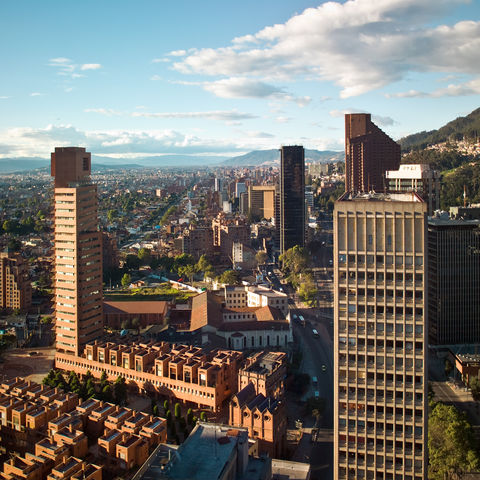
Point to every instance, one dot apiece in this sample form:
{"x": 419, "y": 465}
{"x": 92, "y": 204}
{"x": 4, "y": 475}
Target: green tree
{"x": 295, "y": 260}
{"x": 307, "y": 289}
{"x": 182, "y": 260}
{"x": 189, "y": 416}
{"x": 178, "y": 411}
{"x": 229, "y": 277}
{"x": 166, "y": 406}
{"x": 187, "y": 271}
{"x": 126, "y": 279}
{"x": 107, "y": 393}
{"x": 451, "y": 444}
{"x": 112, "y": 215}
{"x": 261, "y": 257}
{"x": 204, "y": 266}
{"x": 136, "y": 324}
{"x": 120, "y": 390}
{"x": 145, "y": 256}
{"x": 155, "y": 410}
{"x": 203, "y": 416}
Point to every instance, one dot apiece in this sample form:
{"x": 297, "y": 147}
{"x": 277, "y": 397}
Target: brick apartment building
{"x": 50, "y": 429}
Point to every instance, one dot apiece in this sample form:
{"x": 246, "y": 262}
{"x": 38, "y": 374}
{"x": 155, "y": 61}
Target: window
{"x": 86, "y": 163}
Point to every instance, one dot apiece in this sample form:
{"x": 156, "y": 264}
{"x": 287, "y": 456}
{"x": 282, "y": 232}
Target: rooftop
{"x": 381, "y": 197}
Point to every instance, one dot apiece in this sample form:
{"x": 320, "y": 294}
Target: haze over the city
{"x": 223, "y": 78}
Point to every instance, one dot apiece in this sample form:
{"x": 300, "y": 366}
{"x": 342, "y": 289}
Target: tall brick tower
{"x": 78, "y": 252}
{"x": 369, "y": 153}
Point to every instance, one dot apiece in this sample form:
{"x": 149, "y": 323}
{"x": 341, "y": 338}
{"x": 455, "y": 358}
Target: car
{"x": 317, "y": 394}
{"x": 324, "y": 368}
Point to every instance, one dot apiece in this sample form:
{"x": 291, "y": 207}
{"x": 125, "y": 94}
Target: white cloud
{"x": 222, "y": 115}
{"x": 471, "y": 87}
{"x": 155, "y": 77}
{"x": 4, "y": 97}
{"x": 68, "y": 68}
{"x": 20, "y": 142}
{"x": 178, "y": 53}
{"x": 161, "y": 60}
{"x": 90, "y": 66}
{"x": 109, "y": 112}
{"x": 359, "y": 45}
{"x": 36, "y": 94}
{"x": 282, "y": 119}
{"x": 383, "y": 121}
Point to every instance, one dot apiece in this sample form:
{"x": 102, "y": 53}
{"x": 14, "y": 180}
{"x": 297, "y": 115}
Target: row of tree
{"x": 86, "y": 386}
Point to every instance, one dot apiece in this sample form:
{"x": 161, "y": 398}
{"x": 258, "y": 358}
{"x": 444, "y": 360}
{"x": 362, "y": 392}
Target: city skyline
{"x": 152, "y": 79}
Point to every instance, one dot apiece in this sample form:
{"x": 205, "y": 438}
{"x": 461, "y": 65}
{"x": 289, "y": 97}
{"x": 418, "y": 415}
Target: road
{"x": 317, "y": 351}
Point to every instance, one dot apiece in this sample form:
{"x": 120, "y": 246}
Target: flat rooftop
{"x": 203, "y": 456}
{"x": 381, "y": 197}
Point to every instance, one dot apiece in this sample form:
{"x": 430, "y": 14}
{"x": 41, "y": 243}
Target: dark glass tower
{"x": 292, "y": 197}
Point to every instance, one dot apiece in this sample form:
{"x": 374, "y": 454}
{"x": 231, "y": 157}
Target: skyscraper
{"x": 369, "y": 153}
{"x": 454, "y": 281}
{"x": 380, "y": 337}
{"x": 78, "y": 252}
{"x": 292, "y": 197}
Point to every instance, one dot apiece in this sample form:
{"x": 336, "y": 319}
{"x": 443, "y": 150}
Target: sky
{"x": 224, "y": 77}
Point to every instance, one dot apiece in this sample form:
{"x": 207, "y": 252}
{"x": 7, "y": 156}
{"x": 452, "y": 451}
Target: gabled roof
{"x": 245, "y": 395}
{"x": 206, "y": 310}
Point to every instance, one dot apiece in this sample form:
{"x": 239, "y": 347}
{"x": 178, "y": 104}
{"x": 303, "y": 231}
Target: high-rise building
{"x": 369, "y": 153}
{"x": 15, "y": 286}
{"x": 292, "y": 197}
{"x": 454, "y": 281}
{"x": 380, "y": 337}
{"x": 261, "y": 200}
{"x": 78, "y": 252}
{"x": 420, "y": 178}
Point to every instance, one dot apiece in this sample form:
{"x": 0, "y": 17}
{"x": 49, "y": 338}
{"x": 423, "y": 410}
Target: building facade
{"x": 380, "y": 337}
{"x": 454, "y": 281}
{"x": 261, "y": 201}
{"x": 78, "y": 251}
{"x": 15, "y": 286}
{"x": 369, "y": 153}
{"x": 292, "y": 197}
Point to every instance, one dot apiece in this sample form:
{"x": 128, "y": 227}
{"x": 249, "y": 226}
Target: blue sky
{"x": 126, "y": 78}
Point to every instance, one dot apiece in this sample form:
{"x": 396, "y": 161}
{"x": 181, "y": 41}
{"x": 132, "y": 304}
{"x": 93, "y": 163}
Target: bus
{"x": 315, "y": 333}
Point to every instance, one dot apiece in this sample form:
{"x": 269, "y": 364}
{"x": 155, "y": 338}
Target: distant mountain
{"x": 160, "y": 160}
{"x": 266, "y": 157}
{"x": 468, "y": 127}
{"x": 12, "y": 165}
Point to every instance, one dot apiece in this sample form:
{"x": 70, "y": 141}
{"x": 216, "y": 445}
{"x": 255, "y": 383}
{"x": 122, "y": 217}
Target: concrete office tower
{"x": 218, "y": 184}
{"x": 261, "y": 201}
{"x": 454, "y": 281}
{"x": 369, "y": 153}
{"x": 78, "y": 252}
{"x": 15, "y": 286}
{"x": 380, "y": 347}
{"x": 292, "y": 197}
{"x": 418, "y": 178}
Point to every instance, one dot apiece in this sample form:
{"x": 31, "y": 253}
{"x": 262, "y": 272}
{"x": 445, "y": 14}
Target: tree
{"x": 144, "y": 256}
{"x": 261, "y": 257}
{"x": 187, "y": 271}
{"x": 165, "y": 406}
{"x": 120, "y": 390}
{"x": 107, "y": 393}
{"x": 295, "y": 259}
{"x": 178, "y": 411}
{"x": 182, "y": 260}
{"x": 203, "y": 265}
{"x": 307, "y": 289}
{"x": 203, "y": 416}
{"x": 136, "y": 324}
{"x": 112, "y": 215}
{"x": 189, "y": 416}
{"x": 451, "y": 444}
{"x": 155, "y": 410}
{"x": 229, "y": 277}
{"x": 126, "y": 279}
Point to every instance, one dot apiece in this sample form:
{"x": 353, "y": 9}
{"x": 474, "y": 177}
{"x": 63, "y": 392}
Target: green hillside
{"x": 457, "y": 129}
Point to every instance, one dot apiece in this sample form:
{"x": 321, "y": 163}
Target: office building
{"x": 454, "y": 281}
{"x": 380, "y": 344}
{"x": 15, "y": 286}
{"x": 78, "y": 252}
{"x": 418, "y": 178}
{"x": 292, "y": 197}
{"x": 369, "y": 153}
{"x": 261, "y": 201}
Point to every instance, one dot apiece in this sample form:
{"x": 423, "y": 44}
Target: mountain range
{"x": 461, "y": 127}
